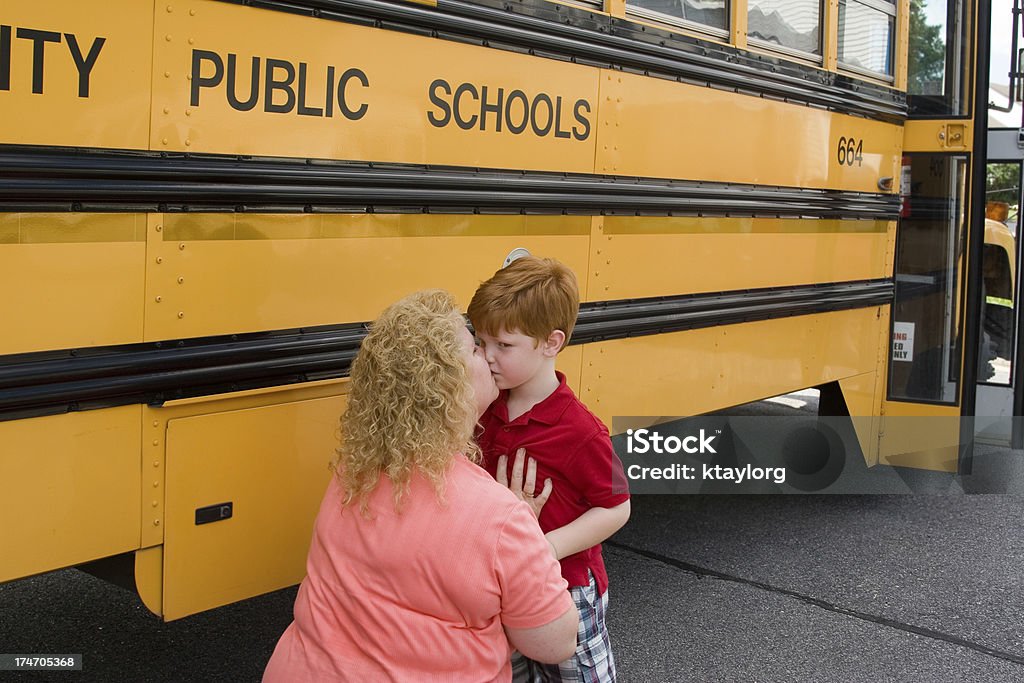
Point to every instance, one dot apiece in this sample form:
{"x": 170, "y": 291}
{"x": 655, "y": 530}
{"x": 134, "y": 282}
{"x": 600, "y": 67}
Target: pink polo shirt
{"x": 421, "y": 594}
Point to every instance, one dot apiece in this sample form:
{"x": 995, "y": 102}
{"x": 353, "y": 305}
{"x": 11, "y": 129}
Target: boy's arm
{"x": 592, "y": 527}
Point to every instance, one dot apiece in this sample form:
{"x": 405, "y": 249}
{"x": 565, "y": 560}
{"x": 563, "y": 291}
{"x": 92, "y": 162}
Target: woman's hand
{"x": 525, "y": 489}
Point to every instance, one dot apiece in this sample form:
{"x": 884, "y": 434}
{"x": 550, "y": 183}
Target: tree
{"x": 1002, "y": 183}
{"x": 926, "y": 61}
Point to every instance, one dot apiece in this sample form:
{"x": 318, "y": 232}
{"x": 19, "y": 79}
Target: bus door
{"x": 999, "y": 397}
{"x": 931, "y": 253}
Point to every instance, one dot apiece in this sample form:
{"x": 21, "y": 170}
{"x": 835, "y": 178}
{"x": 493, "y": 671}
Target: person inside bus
{"x": 421, "y": 567}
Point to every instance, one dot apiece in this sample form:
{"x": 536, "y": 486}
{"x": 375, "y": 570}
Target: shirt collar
{"x": 548, "y": 412}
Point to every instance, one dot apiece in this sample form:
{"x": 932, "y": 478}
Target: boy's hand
{"x": 525, "y": 489}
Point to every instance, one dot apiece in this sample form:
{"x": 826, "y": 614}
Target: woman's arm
{"x": 551, "y": 643}
{"x": 533, "y": 592}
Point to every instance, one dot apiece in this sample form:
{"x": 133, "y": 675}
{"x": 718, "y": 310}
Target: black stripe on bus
{"x": 567, "y": 33}
{"x": 56, "y": 382}
{"x": 49, "y": 179}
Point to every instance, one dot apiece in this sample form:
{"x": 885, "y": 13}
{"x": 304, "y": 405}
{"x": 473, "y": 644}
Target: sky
{"x": 999, "y": 62}
{"x": 1002, "y": 22}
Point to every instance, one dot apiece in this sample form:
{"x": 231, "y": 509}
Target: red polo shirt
{"x": 573, "y": 449}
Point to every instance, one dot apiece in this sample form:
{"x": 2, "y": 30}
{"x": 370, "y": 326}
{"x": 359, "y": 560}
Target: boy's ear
{"x": 554, "y": 343}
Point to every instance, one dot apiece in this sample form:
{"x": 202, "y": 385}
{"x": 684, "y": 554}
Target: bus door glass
{"x": 926, "y": 329}
{"x": 922, "y": 406}
{"x": 998, "y": 345}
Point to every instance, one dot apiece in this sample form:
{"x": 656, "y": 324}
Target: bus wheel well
{"x": 831, "y": 402}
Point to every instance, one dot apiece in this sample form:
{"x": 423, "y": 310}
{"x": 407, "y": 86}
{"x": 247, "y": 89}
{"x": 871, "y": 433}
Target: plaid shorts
{"x": 592, "y": 662}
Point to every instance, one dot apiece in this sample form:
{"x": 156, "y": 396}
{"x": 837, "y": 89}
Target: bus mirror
{"x": 1014, "y": 93}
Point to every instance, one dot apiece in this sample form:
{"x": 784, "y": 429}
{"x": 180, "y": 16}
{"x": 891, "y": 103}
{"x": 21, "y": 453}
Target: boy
{"x": 523, "y": 317}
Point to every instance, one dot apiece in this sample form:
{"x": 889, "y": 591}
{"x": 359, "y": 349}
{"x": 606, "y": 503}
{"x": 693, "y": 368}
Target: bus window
{"x": 925, "y": 321}
{"x": 866, "y": 29}
{"x": 995, "y": 352}
{"x": 790, "y": 26}
{"x": 936, "y": 85}
{"x": 699, "y": 14}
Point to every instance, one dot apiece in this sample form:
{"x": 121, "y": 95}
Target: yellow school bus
{"x": 203, "y": 202}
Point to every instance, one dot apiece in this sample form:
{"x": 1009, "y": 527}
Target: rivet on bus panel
{"x": 167, "y": 110}
{"x": 156, "y": 463}
{"x": 156, "y": 522}
{"x": 159, "y": 259}
{"x": 158, "y": 300}
{"x": 156, "y": 423}
{"x": 169, "y": 9}
{"x": 159, "y": 228}
{"x": 191, "y": 41}
{"x": 181, "y": 314}
{"x": 188, "y": 112}
{"x": 155, "y": 504}
{"x": 168, "y": 37}
{"x": 181, "y": 280}
{"x": 189, "y": 77}
{"x": 156, "y": 443}
{"x": 167, "y": 74}
{"x": 181, "y": 247}
{"x": 156, "y": 484}
{"x": 191, "y": 12}
{"x": 188, "y": 142}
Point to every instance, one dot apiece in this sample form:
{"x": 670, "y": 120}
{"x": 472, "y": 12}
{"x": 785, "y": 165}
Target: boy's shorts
{"x": 592, "y": 662}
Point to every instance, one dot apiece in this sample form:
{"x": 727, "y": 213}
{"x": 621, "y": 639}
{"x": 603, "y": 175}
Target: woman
{"x": 421, "y": 566}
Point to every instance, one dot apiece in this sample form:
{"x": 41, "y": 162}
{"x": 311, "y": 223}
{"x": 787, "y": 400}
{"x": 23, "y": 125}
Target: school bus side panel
{"x": 69, "y": 489}
{"x": 79, "y": 73}
{"x": 71, "y": 280}
{"x": 654, "y": 127}
{"x": 727, "y": 363}
{"x": 229, "y": 273}
{"x": 645, "y": 257}
{"x": 352, "y": 92}
{"x": 270, "y": 464}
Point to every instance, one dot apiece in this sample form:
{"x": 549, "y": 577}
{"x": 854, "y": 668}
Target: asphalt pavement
{"x": 703, "y": 588}
{"x": 823, "y": 588}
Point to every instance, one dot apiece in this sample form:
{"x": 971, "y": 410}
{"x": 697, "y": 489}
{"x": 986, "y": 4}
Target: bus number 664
{"x": 850, "y": 151}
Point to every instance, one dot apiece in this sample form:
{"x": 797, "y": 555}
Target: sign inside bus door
{"x": 903, "y": 341}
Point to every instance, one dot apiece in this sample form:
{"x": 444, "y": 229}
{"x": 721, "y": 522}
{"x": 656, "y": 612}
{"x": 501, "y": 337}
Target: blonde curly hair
{"x": 411, "y": 405}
